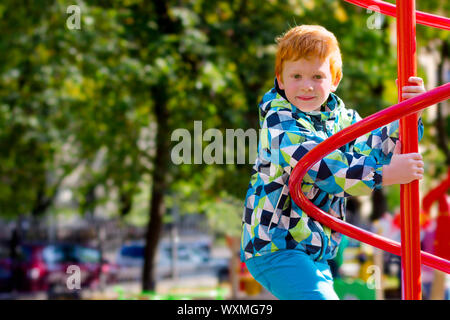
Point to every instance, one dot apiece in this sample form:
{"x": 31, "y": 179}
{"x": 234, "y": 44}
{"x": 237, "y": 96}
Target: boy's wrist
{"x": 387, "y": 175}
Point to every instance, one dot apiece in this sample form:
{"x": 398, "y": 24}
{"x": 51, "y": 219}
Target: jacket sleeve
{"x": 284, "y": 142}
{"x": 380, "y": 143}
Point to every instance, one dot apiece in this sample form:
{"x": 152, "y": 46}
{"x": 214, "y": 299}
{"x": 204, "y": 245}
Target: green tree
{"x": 67, "y": 97}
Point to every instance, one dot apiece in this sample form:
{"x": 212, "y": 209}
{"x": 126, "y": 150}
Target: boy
{"x": 284, "y": 249}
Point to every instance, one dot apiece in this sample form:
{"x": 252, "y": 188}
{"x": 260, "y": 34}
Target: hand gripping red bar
{"x": 389, "y": 9}
{"x": 409, "y": 193}
{"x": 343, "y": 137}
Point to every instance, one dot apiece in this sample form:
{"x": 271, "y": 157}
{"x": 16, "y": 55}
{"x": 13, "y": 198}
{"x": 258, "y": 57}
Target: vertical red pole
{"x": 409, "y": 194}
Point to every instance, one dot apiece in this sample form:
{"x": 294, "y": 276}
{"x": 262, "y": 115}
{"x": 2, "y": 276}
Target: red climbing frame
{"x": 409, "y": 193}
{"x": 389, "y": 9}
{"x": 406, "y": 111}
{"x": 442, "y": 236}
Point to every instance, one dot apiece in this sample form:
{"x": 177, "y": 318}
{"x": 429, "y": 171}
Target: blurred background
{"x": 90, "y": 94}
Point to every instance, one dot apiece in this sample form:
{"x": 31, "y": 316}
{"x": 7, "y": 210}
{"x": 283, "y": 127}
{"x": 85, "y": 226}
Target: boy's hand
{"x": 403, "y": 168}
{"x": 416, "y": 88}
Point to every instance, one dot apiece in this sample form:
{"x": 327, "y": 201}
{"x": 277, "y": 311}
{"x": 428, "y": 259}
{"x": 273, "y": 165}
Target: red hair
{"x": 307, "y": 41}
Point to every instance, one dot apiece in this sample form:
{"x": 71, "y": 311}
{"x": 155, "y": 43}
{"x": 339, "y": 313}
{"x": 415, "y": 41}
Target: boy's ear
{"x": 336, "y": 82}
{"x": 280, "y": 82}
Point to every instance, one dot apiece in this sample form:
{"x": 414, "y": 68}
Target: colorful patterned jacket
{"x": 271, "y": 219}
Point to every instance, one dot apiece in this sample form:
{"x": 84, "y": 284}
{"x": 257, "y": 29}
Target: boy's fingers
{"x": 415, "y": 156}
{"x": 415, "y": 79}
{"x": 412, "y": 89}
{"x": 409, "y": 95}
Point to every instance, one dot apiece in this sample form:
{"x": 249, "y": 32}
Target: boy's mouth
{"x": 304, "y": 98}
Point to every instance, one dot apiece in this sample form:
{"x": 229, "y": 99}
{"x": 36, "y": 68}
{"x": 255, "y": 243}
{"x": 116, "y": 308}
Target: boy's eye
{"x": 317, "y": 76}
{"x": 297, "y": 76}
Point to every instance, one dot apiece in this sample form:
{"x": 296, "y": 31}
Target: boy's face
{"x": 307, "y": 82}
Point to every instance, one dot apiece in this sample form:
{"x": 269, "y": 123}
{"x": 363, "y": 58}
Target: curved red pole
{"x": 442, "y": 235}
{"x": 343, "y": 137}
{"x": 386, "y": 8}
{"x": 435, "y": 194}
{"x": 409, "y": 193}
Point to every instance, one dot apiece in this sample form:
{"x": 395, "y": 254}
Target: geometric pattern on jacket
{"x": 271, "y": 219}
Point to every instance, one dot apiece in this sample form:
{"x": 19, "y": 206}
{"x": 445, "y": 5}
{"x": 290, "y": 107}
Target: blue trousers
{"x": 293, "y": 275}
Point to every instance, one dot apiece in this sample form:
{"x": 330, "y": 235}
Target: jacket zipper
{"x": 278, "y": 217}
{"x": 321, "y": 247}
{"x": 322, "y": 127}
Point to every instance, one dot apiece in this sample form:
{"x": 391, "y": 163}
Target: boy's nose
{"x": 306, "y": 87}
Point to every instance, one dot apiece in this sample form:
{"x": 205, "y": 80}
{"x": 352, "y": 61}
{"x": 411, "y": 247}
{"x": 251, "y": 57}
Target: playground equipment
{"x": 389, "y": 9}
{"x": 442, "y": 235}
{"x": 406, "y": 111}
{"x": 434, "y": 234}
{"x": 439, "y": 235}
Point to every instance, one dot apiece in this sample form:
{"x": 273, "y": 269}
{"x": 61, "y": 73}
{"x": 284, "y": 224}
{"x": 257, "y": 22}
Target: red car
{"x": 47, "y": 267}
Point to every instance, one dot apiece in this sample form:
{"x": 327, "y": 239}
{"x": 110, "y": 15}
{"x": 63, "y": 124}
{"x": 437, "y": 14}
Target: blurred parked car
{"x": 130, "y": 261}
{"x": 192, "y": 257}
{"x": 5, "y": 268}
{"x": 43, "y": 267}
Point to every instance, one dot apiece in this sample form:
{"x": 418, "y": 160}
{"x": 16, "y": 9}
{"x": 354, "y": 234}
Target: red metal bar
{"x": 343, "y": 137}
{"x": 409, "y": 193}
{"x": 435, "y": 194}
{"x": 386, "y": 8}
{"x": 442, "y": 235}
